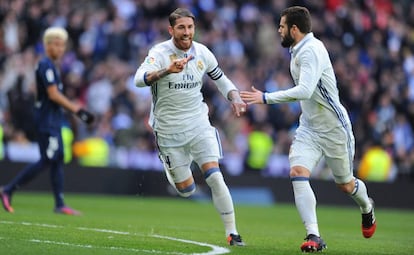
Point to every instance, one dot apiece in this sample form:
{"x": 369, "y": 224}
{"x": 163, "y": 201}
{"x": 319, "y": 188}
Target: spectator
{"x": 370, "y": 45}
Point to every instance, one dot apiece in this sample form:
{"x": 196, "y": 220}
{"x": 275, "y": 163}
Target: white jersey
{"x": 315, "y": 87}
{"x": 177, "y": 101}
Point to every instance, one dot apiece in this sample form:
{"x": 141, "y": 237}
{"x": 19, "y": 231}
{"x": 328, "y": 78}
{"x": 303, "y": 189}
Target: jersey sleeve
{"x": 152, "y": 62}
{"x": 306, "y": 85}
{"x": 46, "y": 74}
{"x": 223, "y": 83}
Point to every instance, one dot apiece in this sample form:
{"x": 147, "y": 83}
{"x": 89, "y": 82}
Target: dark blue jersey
{"x": 48, "y": 114}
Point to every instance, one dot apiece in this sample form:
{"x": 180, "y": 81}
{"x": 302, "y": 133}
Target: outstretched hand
{"x": 252, "y": 97}
{"x": 239, "y": 107}
{"x": 178, "y": 65}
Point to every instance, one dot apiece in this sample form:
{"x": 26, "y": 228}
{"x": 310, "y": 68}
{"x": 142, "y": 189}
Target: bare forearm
{"x": 56, "y": 96}
{"x": 156, "y": 75}
{"x": 65, "y": 103}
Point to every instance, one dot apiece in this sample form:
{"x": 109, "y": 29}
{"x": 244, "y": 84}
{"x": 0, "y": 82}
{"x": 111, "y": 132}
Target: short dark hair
{"x": 299, "y": 16}
{"x": 180, "y": 13}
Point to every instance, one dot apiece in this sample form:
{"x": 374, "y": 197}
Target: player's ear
{"x": 170, "y": 30}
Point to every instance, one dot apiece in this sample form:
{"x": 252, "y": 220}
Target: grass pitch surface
{"x": 136, "y": 225}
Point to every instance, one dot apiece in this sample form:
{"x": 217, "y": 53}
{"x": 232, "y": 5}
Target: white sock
{"x": 306, "y": 205}
{"x": 360, "y": 196}
{"x": 222, "y": 201}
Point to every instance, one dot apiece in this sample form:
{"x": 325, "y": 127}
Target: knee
{"x": 216, "y": 183}
{"x": 299, "y": 171}
{"x": 45, "y": 162}
{"x": 213, "y": 177}
{"x": 187, "y": 191}
{"x": 347, "y": 187}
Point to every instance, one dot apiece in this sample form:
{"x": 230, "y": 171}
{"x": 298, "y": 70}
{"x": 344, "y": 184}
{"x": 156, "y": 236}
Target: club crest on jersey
{"x": 150, "y": 60}
{"x": 173, "y": 57}
{"x": 296, "y": 62}
{"x": 50, "y": 76}
{"x": 200, "y": 65}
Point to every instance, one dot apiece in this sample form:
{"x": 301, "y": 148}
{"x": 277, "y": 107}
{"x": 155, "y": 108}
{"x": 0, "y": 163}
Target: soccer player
{"x": 324, "y": 126}
{"x": 174, "y": 70}
{"x": 49, "y": 118}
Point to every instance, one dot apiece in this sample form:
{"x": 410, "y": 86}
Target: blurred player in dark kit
{"x": 49, "y": 106}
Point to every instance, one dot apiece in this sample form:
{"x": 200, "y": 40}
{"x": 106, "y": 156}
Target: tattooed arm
{"x": 152, "y": 77}
{"x": 143, "y": 78}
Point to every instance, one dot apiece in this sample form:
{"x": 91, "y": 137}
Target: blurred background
{"x": 371, "y": 44}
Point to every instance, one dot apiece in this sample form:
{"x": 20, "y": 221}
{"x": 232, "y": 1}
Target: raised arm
{"x": 143, "y": 77}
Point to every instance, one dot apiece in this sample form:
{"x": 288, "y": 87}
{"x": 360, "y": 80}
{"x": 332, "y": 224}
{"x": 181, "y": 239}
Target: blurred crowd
{"x": 371, "y": 44}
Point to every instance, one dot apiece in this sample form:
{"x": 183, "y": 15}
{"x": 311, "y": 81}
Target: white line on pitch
{"x": 216, "y": 250}
{"x": 102, "y": 247}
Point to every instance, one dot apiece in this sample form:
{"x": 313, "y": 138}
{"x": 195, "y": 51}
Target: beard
{"x": 183, "y": 44}
{"x": 287, "y": 41}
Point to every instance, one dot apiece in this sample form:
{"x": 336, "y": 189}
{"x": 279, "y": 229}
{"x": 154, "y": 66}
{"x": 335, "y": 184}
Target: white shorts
{"x": 337, "y": 147}
{"x": 177, "y": 151}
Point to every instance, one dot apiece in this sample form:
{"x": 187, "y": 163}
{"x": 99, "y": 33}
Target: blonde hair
{"x": 55, "y": 32}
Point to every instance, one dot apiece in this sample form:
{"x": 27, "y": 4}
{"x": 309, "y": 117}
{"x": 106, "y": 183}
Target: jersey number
{"x": 52, "y": 147}
{"x": 167, "y": 161}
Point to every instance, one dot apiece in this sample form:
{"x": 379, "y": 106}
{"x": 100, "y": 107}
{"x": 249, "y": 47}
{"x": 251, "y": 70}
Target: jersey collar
{"x": 302, "y": 42}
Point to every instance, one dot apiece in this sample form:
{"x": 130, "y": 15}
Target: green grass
{"x": 143, "y": 224}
